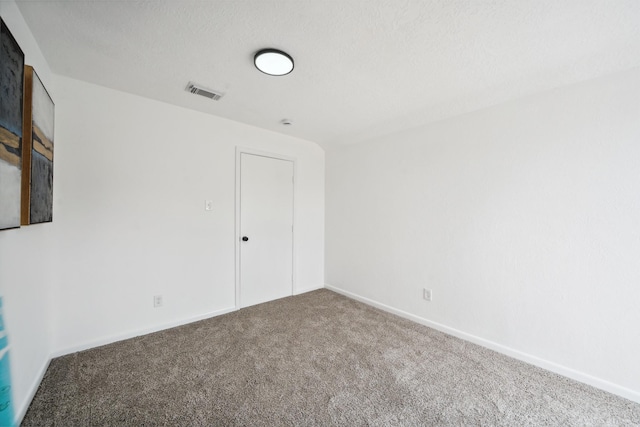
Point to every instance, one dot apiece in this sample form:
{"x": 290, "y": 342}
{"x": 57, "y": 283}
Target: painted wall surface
{"x": 132, "y": 177}
{"x": 522, "y": 218}
{"x": 25, "y": 261}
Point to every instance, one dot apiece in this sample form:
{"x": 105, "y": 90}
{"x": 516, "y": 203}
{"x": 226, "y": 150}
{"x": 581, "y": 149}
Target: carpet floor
{"x": 311, "y": 360}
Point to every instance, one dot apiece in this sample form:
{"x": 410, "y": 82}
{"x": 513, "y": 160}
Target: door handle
{"x": 245, "y": 238}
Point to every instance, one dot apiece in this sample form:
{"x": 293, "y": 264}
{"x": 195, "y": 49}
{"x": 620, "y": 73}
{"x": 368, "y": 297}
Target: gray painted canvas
{"x": 41, "y": 189}
{"x": 11, "y": 88}
{"x": 41, "y": 201}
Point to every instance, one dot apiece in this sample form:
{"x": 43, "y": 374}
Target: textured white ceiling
{"x": 362, "y": 67}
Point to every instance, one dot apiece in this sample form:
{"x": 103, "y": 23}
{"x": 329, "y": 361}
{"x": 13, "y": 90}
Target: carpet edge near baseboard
{"x": 21, "y": 409}
{"x": 136, "y": 333}
{"x": 500, "y": 348}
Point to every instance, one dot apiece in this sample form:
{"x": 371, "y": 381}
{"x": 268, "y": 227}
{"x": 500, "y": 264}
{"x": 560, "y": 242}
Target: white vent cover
{"x": 203, "y": 91}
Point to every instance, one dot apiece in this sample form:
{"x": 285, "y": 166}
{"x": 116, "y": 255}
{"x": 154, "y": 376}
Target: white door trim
{"x": 239, "y": 152}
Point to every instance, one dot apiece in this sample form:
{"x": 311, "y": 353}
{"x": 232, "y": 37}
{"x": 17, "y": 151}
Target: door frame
{"x": 244, "y": 150}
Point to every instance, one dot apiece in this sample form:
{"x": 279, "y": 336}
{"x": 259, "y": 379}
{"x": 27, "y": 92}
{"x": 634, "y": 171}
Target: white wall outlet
{"x": 157, "y": 301}
{"x": 426, "y": 294}
{"x": 208, "y": 205}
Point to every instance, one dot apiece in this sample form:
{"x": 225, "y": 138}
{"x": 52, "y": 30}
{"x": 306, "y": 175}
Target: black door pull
{"x": 245, "y": 238}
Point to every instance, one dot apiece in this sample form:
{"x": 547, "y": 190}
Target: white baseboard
{"x": 545, "y": 364}
{"x": 24, "y": 405}
{"x": 132, "y": 334}
{"x": 305, "y": 290}
{"x": 516, "y": 354}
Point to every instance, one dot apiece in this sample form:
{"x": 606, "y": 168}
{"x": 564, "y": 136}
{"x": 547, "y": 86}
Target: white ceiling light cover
{"x": 273, "y": 62}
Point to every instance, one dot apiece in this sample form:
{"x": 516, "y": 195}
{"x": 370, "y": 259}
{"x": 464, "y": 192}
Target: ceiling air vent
{"x": 202, "y": 91}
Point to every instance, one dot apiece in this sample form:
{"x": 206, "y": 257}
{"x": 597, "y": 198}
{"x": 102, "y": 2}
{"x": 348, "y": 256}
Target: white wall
{"x": 25, "y": 261}
{"x": 132, "y": 176}
{"x": 523, "y": 218}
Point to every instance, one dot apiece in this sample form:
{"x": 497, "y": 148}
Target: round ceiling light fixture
{"x": 273, "y": 62}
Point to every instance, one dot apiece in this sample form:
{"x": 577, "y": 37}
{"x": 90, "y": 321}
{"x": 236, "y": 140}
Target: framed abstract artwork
{"x": 37, "y": 151}
{"x": 11, "y": 89}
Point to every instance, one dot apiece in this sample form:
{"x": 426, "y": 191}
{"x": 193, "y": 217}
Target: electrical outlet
{"x": 426, "y": 294}
{"x": 208, "y": 205}
{"x": 157, "y": 301}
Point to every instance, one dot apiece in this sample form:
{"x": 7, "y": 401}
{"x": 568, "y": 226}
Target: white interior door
{"x": 266, "y": 229}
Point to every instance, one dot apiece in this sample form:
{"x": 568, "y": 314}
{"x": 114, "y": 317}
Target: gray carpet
{"x": 314, "y": 359}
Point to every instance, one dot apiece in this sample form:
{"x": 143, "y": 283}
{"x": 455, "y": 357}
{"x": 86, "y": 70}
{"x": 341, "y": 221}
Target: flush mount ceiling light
{"x": 273, "y": 62}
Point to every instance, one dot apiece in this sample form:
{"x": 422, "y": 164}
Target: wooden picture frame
{"x": 11, "y": 98}
{"x": 37, "y": 151}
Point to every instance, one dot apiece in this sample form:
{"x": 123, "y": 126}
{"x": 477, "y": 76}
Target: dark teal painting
{"x": 11, "y": 90}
